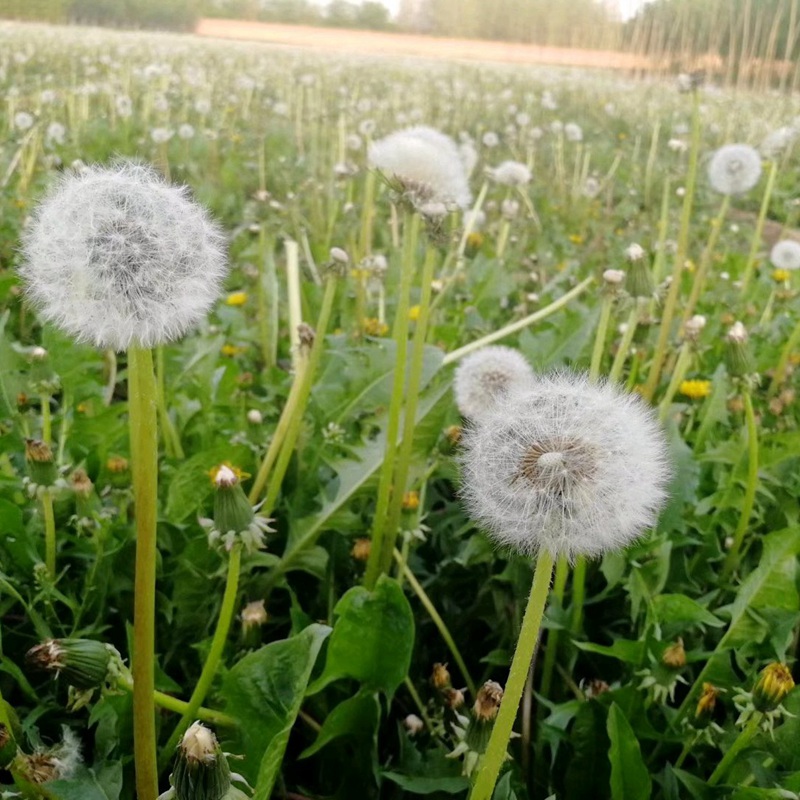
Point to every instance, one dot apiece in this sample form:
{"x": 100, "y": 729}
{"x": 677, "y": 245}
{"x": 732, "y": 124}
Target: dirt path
{"x": 398, "y": 44}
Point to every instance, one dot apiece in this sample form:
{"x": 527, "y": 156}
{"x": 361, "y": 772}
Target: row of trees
{"x": 158, "y": 14}
{"x": 370, "y": 15}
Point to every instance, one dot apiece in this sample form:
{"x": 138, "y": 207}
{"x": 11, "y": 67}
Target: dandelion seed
{"x": 567, "y": 466}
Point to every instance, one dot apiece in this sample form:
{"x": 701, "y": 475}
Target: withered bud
{"x": 361, "y": 548}
{"x": 306, "y": 335}
{"x": 487, "y": 703}
{"x": 453, "y": 698}
{"x": 440, "y": 677}
{"x": 81, "y": 484}
{"x": 674, "y": 656}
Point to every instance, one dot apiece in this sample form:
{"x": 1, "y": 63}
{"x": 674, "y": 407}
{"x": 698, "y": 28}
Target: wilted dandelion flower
{"x": 734, "y": 169}
{"x": 117, "y": 257}
{"x": 567, "y": 466}
{"x": 483, "y": 377}
{"x": 511, "y": 173}
{"x": 425, "y": 163}
{"x": 786, "y": 255}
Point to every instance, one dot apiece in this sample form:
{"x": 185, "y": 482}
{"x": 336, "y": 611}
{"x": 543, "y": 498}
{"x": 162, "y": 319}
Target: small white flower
{"x": 486, "y": 375}
{"x": 734, "y": 169}
{"x": 124, "y": 106}
{"x": 509, "y": 208}
{"x": 23, "y": 121}
{"x": 118, "y": 257}
{"x": 573, "y": 132}
{"x": 413, "y": 724}
{"x": 678, "y": 145}
{"x": 566, "y": 465}
{"x": 511, "y": 173}
{"x": 474, "y": 219}
{"x": 339, "y": 256}
{"x": 254, "y": 416}
{"x": 426, "y": 164}
{"x": 634, "y": 252}
{"x": 786, "y": 255}
{"x": 694, "y": 326}
{"x": 186, "y": 131}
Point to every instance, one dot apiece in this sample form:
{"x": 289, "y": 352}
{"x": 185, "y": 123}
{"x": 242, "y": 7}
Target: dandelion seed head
{"x": 511, "y": 173}
{"x": 117, "y": 257}
{"x": 786, "y": 255}
{"x": 734, "y": 169}
{"x": 567, "y": 466}
{"x": 486, "y": 375}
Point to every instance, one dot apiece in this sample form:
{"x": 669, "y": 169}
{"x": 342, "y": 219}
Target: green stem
{"x": 110, "y": 361}
{"x": 496, "y": 750}
{"x": 600, "y": 337}
{"x": 214, "y": 654}
{"x": 742, "y": 740}
{"x": 400, "y": 335}
{"x": 553, "y": 635}
{"x": 578, "y": 593}
{"x": 680, "y": 257}
{"x": 519, "y": 324}
{"x": 783, "y": 361}
{"x": 304, "y": 391}
{"x": 755, "y": 243}
{"x": 144, "y": 457}
{"x": 172, "y": 442}
{"x": 678, "y": 374}
{"x": 437, "y": 620}
{"x": 49, "y": 532}
{"x": 624, "y": 345}
{"x": 170, "y": 703}
{"x": 732, "y": 559}
{"x": 47, "y": 421}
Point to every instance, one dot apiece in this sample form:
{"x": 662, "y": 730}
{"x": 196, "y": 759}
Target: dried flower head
{"x": 117, "y": 257}
{"x": 734, "y": 169}
{"x": 487, "y": 702}
{"x": 566, "y": 465}
{"x": 786, "y": 255}
{"x": 425, "y": 163}
{"x": 484, "y": 376}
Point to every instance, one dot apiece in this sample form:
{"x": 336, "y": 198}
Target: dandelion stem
{"x": 110, "y": 360}
{"x": 680, "y": 257}
{"x": 295, "y": 311}
{"x": 437, "y": 619}
{"x": 600, "y": 337}
{"x": 624, "y": 345}
{"x": 214, "y": 654}
{"x": 742, "y": 740}
{"x": 553, "y": 635}
{"x": 756, "y": 240}
{"x": 170, "y": 703}
{"x": 144, "y": 457}
{"x": 49, "y": 532}
{"x": 172, "y": 442}
{"x": 542, "y": 313}
{"x": 47, "y": 420}
{"x": 783, "y": 360}
{"x": 495, "y": 753}
{"x": 732, "y": 559}
{"x": 678, "y": 374}
{"x": 400, "y": 335}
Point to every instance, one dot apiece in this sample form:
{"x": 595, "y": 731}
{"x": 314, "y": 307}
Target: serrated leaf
{"x": 630, "y": 779}
{"x": 680, "y": 611}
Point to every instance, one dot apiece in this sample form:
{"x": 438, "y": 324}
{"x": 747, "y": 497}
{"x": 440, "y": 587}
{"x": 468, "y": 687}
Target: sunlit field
{"x": 441, "y": 439}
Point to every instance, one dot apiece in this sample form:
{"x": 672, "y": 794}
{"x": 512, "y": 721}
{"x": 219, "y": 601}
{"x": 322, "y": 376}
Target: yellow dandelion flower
{"x": 774, "y": 683}
{"x": 413, "y": 313}
{"x": 410, "y": 501}
{"x": 695, "y": 389}
{"x": 231, "y": 350}
{"x": 780, "y": 275}
{"x": 236, "y": 299}
{"x": 474, "y": 240}
{"x": 576, "y": 238}
{"x": 374, "y": 327}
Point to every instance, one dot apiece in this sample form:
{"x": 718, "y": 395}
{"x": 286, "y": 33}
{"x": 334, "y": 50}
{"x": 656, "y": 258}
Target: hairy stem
{"x": 49, "y": 532}
{"x": 742, "y": 740}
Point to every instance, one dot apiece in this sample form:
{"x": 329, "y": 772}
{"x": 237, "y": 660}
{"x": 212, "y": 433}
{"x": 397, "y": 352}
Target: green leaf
{"x": 419, "y": 785}
{"x": 622, "y": 649}
{"x": 630, "y": 779}
{"x": 264, "y": 692}
{"x": 587, "y": 775}
{"x": 678, "y": 612}
{"x": 372, "y": 638}
{"x": 358, "y": 716}
{"x": 87, "y": 784}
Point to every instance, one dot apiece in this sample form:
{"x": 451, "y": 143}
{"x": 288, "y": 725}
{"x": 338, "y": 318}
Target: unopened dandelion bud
{"x": 634, "y": 252}
{"x": 774, "y": 684}
{"x": 201, "y": 769}
{"x": 306, "y": 335}
{"x": 413, "y": 724}
{"x": 41, "y": 466}
{"x": 361, "y": 548}
{"x": 694, "y": 326}
{"x": 411, "y": 501}
{"x": 737, "y": 352}
{"x": 453, "y": 698}
{"x": 339, "y": 256}
{"x": 639, "y": 279}
{"x": 440, "y": 676}
{"x": 706, "y": 705}
{"x": 675, "y": 655}
{"x": 84, "y": 663}
{"x": 484, "y": 711}
{"x": 254, "y": 616}
{"x": 81, "y": 484}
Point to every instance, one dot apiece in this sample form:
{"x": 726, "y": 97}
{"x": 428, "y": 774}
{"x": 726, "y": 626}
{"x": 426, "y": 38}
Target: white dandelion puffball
{"x": 567, "y": 466}
{"x": 487, "y": 375}
{"x": 511, "y": 173}
{"x": 573, "y": 132}
{"x": 786, "y": 255}
{"x": 426, "y": 163}
{"x": 734, "y": 169}
{"x": 117, "y": 257}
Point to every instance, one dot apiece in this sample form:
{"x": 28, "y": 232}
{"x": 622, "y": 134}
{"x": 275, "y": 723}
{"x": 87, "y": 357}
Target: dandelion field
{"x": 332, "y": 443}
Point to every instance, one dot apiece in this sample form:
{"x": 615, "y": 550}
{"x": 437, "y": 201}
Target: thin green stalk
{"x": 600, "y": 336}
{"x": 496, "y": 750}
{"x": 700, "y": 276}
{"x": 172, "y": 442}
{"x": 437, "y": 619}
{"x": 267, "y": 302}
{"x": 670, "y": 304}
{"x": 47, "y": 420}
{"x": 296, "y": 419}
{"x": 732, "y": 559}
{"x": 214, "y": 656}
{"x": 519, "y": 324}
{"x": 578, "y": 593}
{"x": 553, "y": 635}
{"x": 49, "y": 532}
{"x": 110, "y": 360}
{"x": 143, "y": 423}
{"x": 742, "y": 740}
{"x": 400, "y": 335}
{"x": 678, "y": 374}
{"x": 414, "y": 385}
{"x": 170, "y": 703}
{"x": 625, "y": 344}
{"x": 783, "y": 360}
{"x": 755, "y": 243}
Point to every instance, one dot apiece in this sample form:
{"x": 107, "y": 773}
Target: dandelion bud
{"x": 634, "y": 252}
{"x": 613, "y": 277}
{"x": 81, "y": 484}
{"x": 306, "y": 335}
{"x": 675, "y": 655}
{"x": 453, "y": 698}
{"x": 734, "y": 169}
{"x": 361, "y": 548}
{"x": 639, "y": 280}
{"x": 413, "y": 724}
{"x": 339, "y": 256}
{"x": 39, "y": 458}
{"x": 706, "y": 706}
{"x": 117, "y": 257}
{"x": 50, "y": 764}
{"x": 694, "y": 326}
{"x": 201, "y": 769}
{"x": 566, "y": 465}
{"x": 84, "y": 663}
{"x": 485, "y": 376}
{"x": 440, "y": 677}
{"x": 411, "y": 501}
{"x": 254, "y": 616}
{"x": 8, "y": 748}
{"x": 487, "y": 703}
{"x": 773, "y": 685}
{"x": 737, "y": 353}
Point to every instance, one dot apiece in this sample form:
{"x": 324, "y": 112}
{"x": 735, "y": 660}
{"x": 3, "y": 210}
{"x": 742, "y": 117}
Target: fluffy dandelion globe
{"x": 425, "y": 163}
{"x": 511, "y": 173}
{"x": 118, "y": 258}
{"x": 485, "y": 376}
{"x": 734, "y": 169}
{"x": 786, "y": 255}
{"x": 566, "y": 466}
